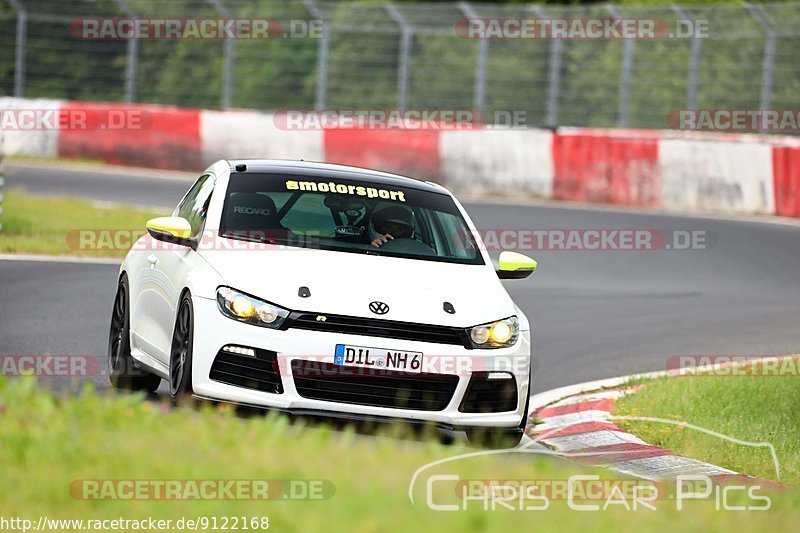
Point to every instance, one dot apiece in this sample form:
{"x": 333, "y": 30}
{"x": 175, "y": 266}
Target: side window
{"x": 456, "y": 238}
{"x": 194, "y": 206}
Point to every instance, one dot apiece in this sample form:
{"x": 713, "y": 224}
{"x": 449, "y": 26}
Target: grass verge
{"x": 754, "y": 408}
{"x": 53, "y": 225}
{"x": 49, "y": 443}
{"x": 53, "y": 160}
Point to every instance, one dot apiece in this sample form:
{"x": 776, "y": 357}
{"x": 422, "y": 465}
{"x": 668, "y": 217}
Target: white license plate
{"x": 378, "y": 358}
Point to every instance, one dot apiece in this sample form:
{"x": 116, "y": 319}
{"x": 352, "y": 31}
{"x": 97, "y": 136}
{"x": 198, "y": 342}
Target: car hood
{"x": 344, "y": 283}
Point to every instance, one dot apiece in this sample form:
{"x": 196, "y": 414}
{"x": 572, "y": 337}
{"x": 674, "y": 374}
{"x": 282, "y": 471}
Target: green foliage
{"x": 364, "y": 57}
{"x": 27, "y": 230}
{"x": 49, "y": 442}
{"x": 759, "y": 408}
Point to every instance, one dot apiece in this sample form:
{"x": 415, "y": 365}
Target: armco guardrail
{"x": 686, "y": 171}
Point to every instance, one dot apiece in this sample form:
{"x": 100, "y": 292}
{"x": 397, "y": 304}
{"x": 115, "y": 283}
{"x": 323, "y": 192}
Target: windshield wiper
{"x": 250, "y": 238}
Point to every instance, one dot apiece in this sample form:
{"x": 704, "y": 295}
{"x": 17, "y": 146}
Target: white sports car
{"x": 324, "y": 289}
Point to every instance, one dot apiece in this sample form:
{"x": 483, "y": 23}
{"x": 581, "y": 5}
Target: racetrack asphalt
{"x": 595, "y": 314}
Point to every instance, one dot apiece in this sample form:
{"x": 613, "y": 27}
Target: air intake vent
{"x": 260, "y": 372}
{"x": 381, "y": 388}
{"x": 485, "y": 395}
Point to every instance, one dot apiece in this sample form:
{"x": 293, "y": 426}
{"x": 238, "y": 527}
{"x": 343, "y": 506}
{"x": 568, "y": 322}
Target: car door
{"x": 164, "y": 280}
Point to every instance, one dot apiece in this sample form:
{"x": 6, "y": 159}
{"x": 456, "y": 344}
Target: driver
{"x": 392, "y": 222}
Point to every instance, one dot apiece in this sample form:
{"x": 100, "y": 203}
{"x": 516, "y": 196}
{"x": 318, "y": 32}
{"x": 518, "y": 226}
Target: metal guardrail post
{"x": 403, "y": 67}
{"x": 21, "y": 44}
{"x": 479, "y": 91}
{"x": 768, "y": 62}
{"x": 226, "y": 100}
{"x": 694, "y": 63}
{"x": 2, "y": 175}
{"x": 322, "y": 55}
{"x": 553, "y": 75}
{"x": 625, "y": 77}
{"x": 132, "y": 53}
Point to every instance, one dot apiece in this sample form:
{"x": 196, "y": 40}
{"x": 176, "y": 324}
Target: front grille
{"x": 489, "y": 396}
{"x": 373, "y": 327}
{"x": 381, "y": 388}
{"x": 260, "y": 372}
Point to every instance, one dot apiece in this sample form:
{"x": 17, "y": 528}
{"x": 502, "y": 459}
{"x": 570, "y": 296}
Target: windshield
{"x": 347, "y": 215}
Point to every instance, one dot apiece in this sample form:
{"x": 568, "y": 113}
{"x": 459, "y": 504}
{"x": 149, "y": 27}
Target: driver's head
{"x": 398, "y": 221}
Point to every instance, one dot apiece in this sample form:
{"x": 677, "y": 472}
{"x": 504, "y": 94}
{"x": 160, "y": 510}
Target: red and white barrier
{"x": 786, "y": 179}
{"x": 120, "y": 134}
{"x": 249, "y": 134}
{"x": 140, "y": 135}
{"x": 36, "y": 142}
{"x": 728, "y": 176}
{"x": 685, "y": 171}
{"x": 608, "y": 166}
{"x": 509, "y": 162}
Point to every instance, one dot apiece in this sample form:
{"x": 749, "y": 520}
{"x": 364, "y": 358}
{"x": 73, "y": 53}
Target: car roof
{"x": 329, "y": 170}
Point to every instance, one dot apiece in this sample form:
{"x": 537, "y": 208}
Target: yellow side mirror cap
{"x": 513, "y": 265}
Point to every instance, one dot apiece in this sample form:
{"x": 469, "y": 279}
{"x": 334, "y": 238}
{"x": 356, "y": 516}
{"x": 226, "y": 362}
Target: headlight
{"x": 498, "y": 334}
{"x": 244, "y": 308}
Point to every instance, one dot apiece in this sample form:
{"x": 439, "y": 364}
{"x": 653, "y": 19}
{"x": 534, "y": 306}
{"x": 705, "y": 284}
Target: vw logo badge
{"x": 379, "y": 308}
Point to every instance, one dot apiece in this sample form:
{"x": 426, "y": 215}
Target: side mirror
{"x": 175, "y": 230}
{"x": 512, "y": 265}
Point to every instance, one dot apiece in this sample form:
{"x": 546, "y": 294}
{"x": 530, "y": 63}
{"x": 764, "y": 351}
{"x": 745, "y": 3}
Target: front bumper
{"x": 213, "y": 331}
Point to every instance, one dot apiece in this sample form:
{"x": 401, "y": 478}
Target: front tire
{"x": 122, "y": 370}
{"x": 180, "y": 361}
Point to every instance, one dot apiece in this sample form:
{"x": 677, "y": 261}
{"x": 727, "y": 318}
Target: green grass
{"x": 47, "y": 442}
{"x": 53, "y": 225}
{"x": 53, "y": 160}
{"x": 748, "y": 408}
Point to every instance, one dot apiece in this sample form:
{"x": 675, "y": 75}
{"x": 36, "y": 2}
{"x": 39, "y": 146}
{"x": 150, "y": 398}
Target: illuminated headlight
{"x": 498, "y": 334}
{"x": 244, "y": 308}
